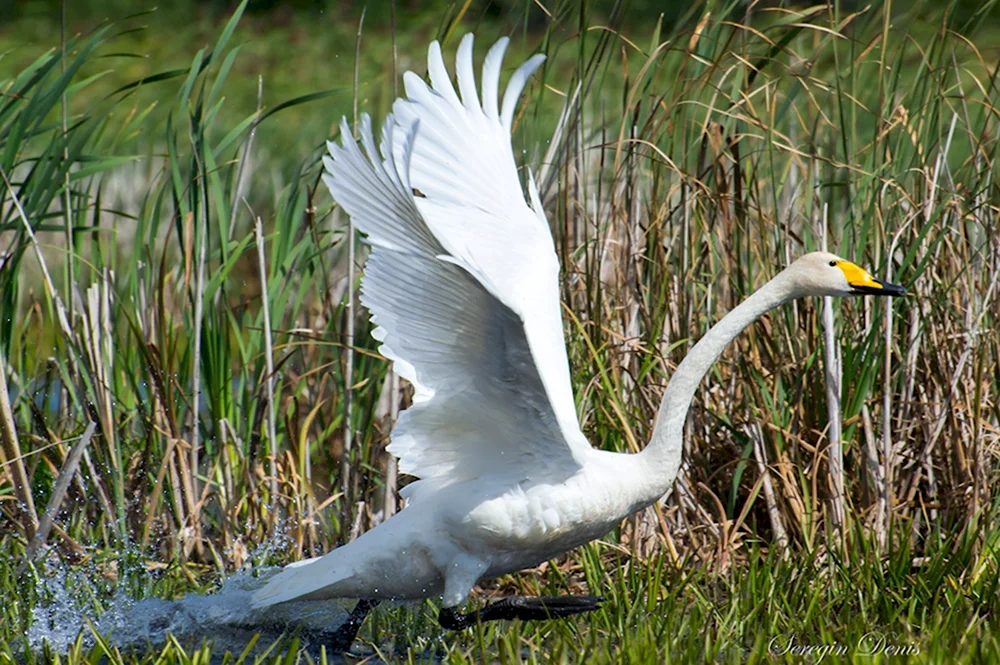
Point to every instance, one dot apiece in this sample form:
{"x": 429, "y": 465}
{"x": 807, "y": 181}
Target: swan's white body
{"x": 444, "y": 544}
{"x": 462, "y": 282}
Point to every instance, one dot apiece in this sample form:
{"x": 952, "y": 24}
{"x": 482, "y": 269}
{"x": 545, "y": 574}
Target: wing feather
{"x": 515, "y": 86}
{"x": 491, "y": 78}
{"x": 475, "y": 206}
{"x": 467, "y": 80}
{"x": 462, "y": 280}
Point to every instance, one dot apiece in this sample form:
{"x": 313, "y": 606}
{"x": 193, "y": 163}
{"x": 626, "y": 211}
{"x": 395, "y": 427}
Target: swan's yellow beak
{"x": 862, "y": 283}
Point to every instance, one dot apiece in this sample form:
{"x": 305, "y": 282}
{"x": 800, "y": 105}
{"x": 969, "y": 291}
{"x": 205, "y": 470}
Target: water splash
{"x": 81, "y": 601}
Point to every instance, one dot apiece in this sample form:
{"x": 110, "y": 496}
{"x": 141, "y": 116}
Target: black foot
{"x": 520, "y": 607}
{"x": 340, "y": 640}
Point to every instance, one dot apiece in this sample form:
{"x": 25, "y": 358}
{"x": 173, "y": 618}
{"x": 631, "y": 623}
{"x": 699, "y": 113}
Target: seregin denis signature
{"x": 872, "y": 643}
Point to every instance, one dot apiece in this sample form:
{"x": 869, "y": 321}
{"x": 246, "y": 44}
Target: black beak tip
{"x": 885, "y": 289}
{"x": 894, "y": 290}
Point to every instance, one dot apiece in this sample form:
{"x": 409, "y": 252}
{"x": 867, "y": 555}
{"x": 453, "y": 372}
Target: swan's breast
{"x": 547, "y": 518}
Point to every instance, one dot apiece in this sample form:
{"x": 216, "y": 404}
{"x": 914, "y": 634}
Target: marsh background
{"x": 841, "y": 464}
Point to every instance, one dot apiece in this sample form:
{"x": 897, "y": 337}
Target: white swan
{"x": 462, "y": 282}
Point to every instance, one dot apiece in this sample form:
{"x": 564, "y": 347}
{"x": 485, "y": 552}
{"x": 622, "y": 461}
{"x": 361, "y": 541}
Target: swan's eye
{"x": 833, "y": 264}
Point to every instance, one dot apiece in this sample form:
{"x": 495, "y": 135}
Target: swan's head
{"x": 825, "y": 274}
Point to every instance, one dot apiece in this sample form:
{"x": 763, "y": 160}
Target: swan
{"x": 462, "y": 285}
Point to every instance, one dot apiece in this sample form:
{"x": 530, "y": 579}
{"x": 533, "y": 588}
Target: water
{"x": 225, "y": 617}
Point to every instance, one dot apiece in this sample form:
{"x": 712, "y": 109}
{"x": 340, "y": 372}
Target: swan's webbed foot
{"x": 520, "y": 607}
{"x": 340, "y": 640}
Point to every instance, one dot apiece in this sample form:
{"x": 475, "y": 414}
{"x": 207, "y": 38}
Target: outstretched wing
{"x": 462, "y": 280}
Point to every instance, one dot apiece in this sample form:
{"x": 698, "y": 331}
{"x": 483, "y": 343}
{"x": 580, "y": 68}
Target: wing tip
{"x": 491, "y": 77}
{"x": 516, "y": 86}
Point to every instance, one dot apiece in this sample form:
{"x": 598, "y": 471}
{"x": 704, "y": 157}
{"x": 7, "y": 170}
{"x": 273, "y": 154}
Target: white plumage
{"x": 462, "y": 282}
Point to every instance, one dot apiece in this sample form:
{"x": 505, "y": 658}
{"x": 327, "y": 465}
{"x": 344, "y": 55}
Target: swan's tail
{"x": 296, "y": 580}
{"x": 392, "y": 561}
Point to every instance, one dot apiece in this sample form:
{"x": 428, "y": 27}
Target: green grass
{"x": 296, "y": 53}
{"x": 702, "y": 153}
{"x": 761, "y": 609}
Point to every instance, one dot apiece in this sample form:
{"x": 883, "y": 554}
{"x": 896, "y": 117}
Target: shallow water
{"x": 223, "y": 617}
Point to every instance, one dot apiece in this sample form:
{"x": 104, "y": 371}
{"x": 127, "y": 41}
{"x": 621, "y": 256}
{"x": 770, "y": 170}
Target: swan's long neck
{"x": 661, "y": 459}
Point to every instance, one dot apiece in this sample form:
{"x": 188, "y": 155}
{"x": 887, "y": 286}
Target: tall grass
{"x": 681, "y": 164}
